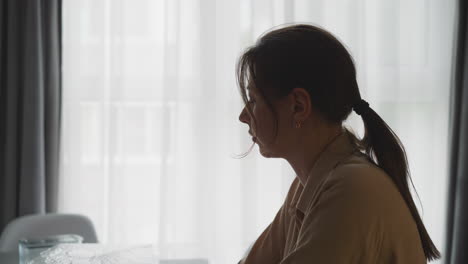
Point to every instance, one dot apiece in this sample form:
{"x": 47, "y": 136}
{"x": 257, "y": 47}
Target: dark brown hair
{"x": 309, "y": 57}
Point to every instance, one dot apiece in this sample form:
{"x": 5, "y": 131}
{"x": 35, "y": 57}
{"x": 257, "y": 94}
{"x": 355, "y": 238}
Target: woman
{"x": 350, "y": 201}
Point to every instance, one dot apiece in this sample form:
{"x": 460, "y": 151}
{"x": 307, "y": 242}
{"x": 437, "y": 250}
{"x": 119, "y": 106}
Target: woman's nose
{"x": 244, "y": 117}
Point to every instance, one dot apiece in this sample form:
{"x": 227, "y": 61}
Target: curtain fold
{"x": 30, "y": 89}
{"x": 457, "y": 234}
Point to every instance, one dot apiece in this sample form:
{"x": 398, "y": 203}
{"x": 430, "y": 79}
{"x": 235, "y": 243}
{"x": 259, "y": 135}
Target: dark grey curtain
{"x": 30, "y": 92}
{"x": 457, "y": 232}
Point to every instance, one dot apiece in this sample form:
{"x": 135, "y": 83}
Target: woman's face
{"x": 262, "y": 127}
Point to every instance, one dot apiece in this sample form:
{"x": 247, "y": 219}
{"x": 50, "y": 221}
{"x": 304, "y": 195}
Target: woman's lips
{"x": 254, "y": 138}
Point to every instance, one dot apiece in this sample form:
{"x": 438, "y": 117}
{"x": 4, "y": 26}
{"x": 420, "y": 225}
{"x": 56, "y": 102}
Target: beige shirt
{"x": 349, "y": 211}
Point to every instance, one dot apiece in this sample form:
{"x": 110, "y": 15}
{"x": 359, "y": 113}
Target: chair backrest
{"x": 42, "y": 225}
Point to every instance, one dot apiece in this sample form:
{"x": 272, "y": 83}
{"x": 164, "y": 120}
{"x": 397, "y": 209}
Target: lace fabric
{"x": 96, "y": 254}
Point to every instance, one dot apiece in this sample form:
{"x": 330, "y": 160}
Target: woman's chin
{"x": 265, "y": 153}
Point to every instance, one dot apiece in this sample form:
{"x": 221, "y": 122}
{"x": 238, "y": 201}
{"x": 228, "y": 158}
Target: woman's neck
{"x": 309, "y": 148}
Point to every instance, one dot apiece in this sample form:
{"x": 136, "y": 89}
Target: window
{"x": 150, "y": 108}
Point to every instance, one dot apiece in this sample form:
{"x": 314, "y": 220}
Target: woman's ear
{"x": 301, "y": 104}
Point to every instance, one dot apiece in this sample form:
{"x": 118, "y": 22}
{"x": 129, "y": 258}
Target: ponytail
{"x": 385, "y": 148}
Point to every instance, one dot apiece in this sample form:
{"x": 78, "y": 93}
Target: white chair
{"x": 42, "y": 225}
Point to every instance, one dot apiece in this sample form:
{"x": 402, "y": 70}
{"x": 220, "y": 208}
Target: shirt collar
{"x": 340, "y": 148}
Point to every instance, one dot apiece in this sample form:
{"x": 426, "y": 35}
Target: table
{"x": 89, "y": 254}
{"x": 103, "y": 254}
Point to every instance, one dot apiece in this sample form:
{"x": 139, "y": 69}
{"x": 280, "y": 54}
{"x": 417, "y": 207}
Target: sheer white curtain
{"x": 150, "y": 108}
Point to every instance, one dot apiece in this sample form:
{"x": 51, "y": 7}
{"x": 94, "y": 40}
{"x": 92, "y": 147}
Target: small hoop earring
{"x": 298, "y": 124}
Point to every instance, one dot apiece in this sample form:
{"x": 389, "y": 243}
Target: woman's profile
{"x": 350, "y": 201}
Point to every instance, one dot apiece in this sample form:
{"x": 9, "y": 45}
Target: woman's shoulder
{"x": 368, "y": 189}
{"x": 359, "y": 171}
{"x": 361, "y": 181}
{"x": 364, "y": 184}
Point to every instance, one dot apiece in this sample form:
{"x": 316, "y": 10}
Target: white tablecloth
{"x": 89, "y": 254}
